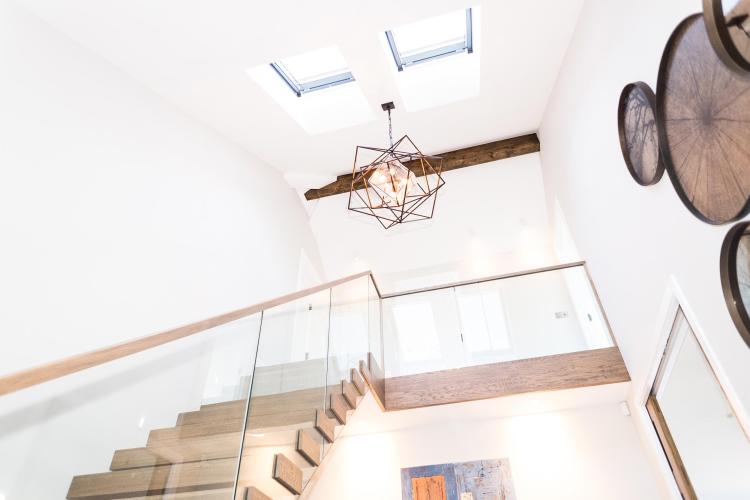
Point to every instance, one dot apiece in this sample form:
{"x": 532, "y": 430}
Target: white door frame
{"x": 674, "y": 299}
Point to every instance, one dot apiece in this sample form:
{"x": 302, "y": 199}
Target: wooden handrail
{"x": 485, "y": 279}
{"x": 56, "y": 369}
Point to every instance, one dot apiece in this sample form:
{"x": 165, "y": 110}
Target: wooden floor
{"x": 561, "y": 371}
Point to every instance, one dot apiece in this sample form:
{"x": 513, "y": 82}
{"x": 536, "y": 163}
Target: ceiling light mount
{"x": 397, "y": 184}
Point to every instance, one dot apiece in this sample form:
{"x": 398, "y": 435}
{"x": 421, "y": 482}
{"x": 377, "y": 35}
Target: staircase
{"x": 284, "y": 442}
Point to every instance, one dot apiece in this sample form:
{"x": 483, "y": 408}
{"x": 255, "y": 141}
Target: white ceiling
{"x": 195, "y": 54}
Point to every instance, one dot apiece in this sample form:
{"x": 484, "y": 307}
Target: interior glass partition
{"x": 495, "y": 320}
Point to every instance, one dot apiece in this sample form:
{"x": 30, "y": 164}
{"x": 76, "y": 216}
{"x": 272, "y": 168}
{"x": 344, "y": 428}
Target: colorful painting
{"x": 479, "y": 480}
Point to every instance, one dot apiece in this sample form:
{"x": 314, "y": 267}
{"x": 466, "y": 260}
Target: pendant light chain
{"x": 390, "y": 128}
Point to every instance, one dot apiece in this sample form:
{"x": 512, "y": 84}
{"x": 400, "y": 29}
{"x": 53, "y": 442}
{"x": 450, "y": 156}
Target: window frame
{"x": 430, "y": 55}
{"x": 301, "y": 89}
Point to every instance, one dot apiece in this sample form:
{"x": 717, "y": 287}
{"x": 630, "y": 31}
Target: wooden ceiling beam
{"x": 452, "y": 160}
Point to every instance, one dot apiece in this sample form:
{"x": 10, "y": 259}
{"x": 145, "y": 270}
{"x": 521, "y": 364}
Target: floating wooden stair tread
{"x": 222, "y": 494}
{"x": 254, "y": 493}
{"x": 169, "y": 435}
{"x": 228, "y": 412}
{"x": 351, "y": 394}
{"x": 358, "y": 381}
{"x": 196, "y": 476}
{"x": 264, "y": 410}
{"x": 187, "y": 477}
{"x": 288, "y": 401}
{"x": 209, "y": 447}
{"x": 339, "y": 407}
{"x": 287, "y": 474}
{"x": 309, "y": 446}
{"x": 133, "y": 458}
{"x": 325, "y": 425}
{"x": 365, "y": 371}
{"x": 179, "y": 451}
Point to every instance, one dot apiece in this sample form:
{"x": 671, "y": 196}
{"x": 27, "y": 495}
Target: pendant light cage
{"x": 395, "y": 185}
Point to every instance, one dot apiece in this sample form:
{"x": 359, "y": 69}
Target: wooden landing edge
{"x": 547, "y": 373}
{"x": 373, "y": 375}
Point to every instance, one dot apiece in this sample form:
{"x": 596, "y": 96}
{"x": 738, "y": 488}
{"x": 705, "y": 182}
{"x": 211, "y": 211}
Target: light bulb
{"x": 393, "y": 182}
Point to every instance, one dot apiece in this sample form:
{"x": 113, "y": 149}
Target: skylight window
{"x": 442, "y": 43}
{"x": 316, "y": 70}
{"x": 331, "y": 98}
{"x": 431, "y": 39}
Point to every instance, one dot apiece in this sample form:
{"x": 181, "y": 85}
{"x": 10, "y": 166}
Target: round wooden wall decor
{"x": 728, "y": 25}
{"x": 735, "y": 276}
{"x": 703, "y": 121}
{"x": 639, "y": 141}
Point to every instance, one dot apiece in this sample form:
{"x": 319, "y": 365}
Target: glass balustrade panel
{"x": 289, "y": 388}
{"x": 507, "y": 319}
{"x": 138, "y": 425}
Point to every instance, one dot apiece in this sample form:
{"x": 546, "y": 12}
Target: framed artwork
{"x": 478, "y": 480}
{"x": 727, "y": 24}
{"x": 704, "y": 127}
{"x": 639, "y": 140}
{"x": 735, "y": 276}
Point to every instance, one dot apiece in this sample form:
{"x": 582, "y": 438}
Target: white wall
{"x": 489, "y": 219}
{"x": 633, "y": 238}
{"x": 119, "y": 216}
{"x": 588, "y": 453}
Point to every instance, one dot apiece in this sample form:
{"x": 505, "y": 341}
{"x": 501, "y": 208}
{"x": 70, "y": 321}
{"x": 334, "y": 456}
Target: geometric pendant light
{"x": 397, "y": 184}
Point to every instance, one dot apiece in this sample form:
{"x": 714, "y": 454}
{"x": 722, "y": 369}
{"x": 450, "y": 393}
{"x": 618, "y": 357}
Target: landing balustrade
{"x": 247, "y": 405}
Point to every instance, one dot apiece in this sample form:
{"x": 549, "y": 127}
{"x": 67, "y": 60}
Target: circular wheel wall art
{"x": 703, "y": 120}
{"x": 639, "y": 140}
{"x": 728, "y": 26}
{"x": 735, "y": 276}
